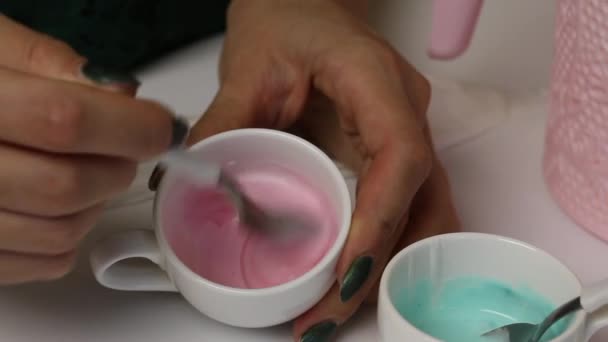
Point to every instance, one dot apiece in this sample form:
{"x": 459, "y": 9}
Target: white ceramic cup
{"x": 233, "y": 306}
{"x": 484, "y": 255}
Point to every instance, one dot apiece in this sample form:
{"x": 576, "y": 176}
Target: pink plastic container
{"x": 453, "y": 24}
{"x": 575, "y": 162}
{"x": 576, "y": 146}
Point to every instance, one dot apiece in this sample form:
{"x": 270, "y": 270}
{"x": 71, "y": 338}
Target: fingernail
{"x": 155, "y": 177}
{"x": 320, "y": 332}
{"x": 355, "y": 277}
{"x": 181, "y": 128}
{"x": 104, "y": 75}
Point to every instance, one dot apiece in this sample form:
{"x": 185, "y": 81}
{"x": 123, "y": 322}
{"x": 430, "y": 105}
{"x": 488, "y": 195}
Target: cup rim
{"x": 389, "y": 270}
{"x": 330, "y": 255}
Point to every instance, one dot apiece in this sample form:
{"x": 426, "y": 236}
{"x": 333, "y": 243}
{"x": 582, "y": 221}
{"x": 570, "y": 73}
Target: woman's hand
{"x": 431, "y": 212}
{"x": 315, "y": 68}
{"x": 70, "y": 138}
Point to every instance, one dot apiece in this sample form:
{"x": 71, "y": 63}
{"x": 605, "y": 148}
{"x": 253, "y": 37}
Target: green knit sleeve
{"x": 122, "y": 34}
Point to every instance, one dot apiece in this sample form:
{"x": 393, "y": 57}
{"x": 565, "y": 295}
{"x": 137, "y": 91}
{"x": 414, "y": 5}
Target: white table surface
{"x": 497, "y": 186}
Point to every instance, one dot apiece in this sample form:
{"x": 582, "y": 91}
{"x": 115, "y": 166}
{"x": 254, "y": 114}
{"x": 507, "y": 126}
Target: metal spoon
{"x": 592, "y": 299}
{"x": 205, "y": 173}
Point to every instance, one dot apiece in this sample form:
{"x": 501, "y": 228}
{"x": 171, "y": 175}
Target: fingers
{"x": 35, "y": 53}
{"x": 309, "y": 328}
{"x": 32, "y": 52}
{"x": 398, "y": 158}
{"x": 364, "y": 83}
{"x": 40, "y": 236}
{"x": 432, "y": 213}
{"x": 333, "y": 308}
{"x": 68, "y": 118}
{"x": 56, "y": 185}
{"x": 21, "y": 268}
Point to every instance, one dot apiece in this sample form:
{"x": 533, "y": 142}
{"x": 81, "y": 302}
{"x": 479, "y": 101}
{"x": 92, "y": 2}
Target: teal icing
{"x": 462, "y": 309}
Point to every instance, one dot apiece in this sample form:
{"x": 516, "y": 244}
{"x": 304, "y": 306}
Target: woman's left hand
{"x": 314, "y": 67}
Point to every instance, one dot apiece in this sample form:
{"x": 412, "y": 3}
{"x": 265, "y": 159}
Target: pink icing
{"x": 203, "y": 228}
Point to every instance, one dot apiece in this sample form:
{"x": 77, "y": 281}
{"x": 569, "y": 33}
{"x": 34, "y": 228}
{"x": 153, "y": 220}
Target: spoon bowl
{"x": 255, "y": 217}
{"x": 528, "y": 332}
{"x": 592, "y": 298}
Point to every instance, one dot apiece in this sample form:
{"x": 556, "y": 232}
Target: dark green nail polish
{"x": 355, "y": 277}
{"x": 102, "y": 75}
{"x": 155, "y": 177}
{"x": 320, "y": 332}
{"x": 181, "y": 128}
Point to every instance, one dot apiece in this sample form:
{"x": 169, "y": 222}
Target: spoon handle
{"x": 202, "y": 172}
{"x": 556, "y": 315}
{"x": 595, "y": 296}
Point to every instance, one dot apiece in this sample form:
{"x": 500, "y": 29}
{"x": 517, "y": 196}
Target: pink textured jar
{"x": 576, "y": 145}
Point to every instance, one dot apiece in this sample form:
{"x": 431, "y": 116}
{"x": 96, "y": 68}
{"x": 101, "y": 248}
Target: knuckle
{"x": 123, "y": 174}
{"x": 62, "y": 186}
{"x": 376, "y": 52}
{"x": 420, "y": 154}
{"x": 354, "y": 62}
{"x": 65, "y": 119}
{"x": 59, "y": 266}
{"x": 387, "y": 228}
{"x": 417, "y": 157}
{"x": 65, "y": 236}
{"x": 42, "y": 50}
{"x": 386, "y": 55}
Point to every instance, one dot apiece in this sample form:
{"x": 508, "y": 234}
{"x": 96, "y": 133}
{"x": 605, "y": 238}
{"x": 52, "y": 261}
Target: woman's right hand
{"x": 71, "y": 135}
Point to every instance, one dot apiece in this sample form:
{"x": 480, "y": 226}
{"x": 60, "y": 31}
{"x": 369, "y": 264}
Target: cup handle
{"x": 594, "y": 299}
{"x": 110, "y": 261}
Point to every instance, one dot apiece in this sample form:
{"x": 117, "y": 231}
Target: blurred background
{"x": 511, "y": 47}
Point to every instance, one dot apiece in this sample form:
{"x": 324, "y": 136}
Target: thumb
{"x": 230, "y": 109}
{"x": 31, "y": 52}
